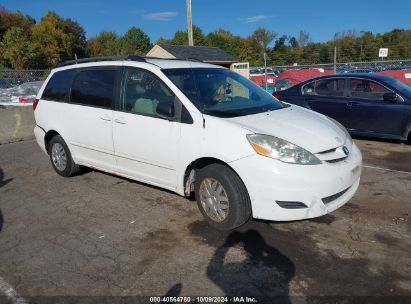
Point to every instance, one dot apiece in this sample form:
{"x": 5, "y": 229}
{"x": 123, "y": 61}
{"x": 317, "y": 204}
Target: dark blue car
{"x": 366, "y": 104}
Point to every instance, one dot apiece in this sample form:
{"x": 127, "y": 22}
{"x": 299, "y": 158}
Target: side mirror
{"x": 165, "y": 110}
{"x": 391, "y": 97}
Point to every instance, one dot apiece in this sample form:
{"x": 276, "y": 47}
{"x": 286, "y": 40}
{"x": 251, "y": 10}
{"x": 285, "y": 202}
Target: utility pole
{"x": 265, "y": 69}
{"x": 335, "y": 59}
{"x": 189, "y": 24}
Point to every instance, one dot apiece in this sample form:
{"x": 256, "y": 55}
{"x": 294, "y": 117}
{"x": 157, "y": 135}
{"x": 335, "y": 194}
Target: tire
{"x": 232, "y": 193}
{"x": 65, "y": 168}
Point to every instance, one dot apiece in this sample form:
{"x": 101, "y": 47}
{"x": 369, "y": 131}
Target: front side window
{"x": 94, "y": 88}
{"x": 221, "y": 92}
{"x": 142, "y": 91}
{"x": 58, "y": 85}
{"x": 364, "y": 88}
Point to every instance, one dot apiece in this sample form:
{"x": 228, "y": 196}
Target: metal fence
{"x": 11, "y": 78}
{"x": 352, "y": 67}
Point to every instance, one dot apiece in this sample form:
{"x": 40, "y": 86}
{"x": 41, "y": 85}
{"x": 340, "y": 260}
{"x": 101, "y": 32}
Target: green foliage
{"x": 57, "y": 39}
{"x": 107, "y": 44}
{"x": 134, "y": 42}
{"x": 27, "y": 44}
{"x": 16, "y": 47}
{"x": 181, "y": 37}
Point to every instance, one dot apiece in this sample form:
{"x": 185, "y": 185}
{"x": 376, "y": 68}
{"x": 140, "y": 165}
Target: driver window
{"x": 363, "y": 88}
{"x": 142, "y": 91}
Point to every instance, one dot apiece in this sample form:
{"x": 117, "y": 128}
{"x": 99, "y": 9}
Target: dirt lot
{"x": 100, "y": 235}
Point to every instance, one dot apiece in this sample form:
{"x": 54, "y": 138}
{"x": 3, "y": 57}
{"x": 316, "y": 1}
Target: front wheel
{"x": 222, "y": 197}
{"x": 60, "y": 157}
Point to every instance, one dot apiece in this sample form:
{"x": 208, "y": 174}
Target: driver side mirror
{"x": 391, "y": 97}
{"x": 165, "y": 110}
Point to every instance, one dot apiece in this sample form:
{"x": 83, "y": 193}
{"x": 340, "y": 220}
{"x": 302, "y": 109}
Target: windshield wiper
{"x": 221, "y": 113}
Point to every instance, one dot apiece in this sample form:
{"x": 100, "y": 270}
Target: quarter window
{"x": 58, "y": 85}
{"x": 363, "y": 88}
{"x": 143, "y": 91}
{"x": 94, "y": 88}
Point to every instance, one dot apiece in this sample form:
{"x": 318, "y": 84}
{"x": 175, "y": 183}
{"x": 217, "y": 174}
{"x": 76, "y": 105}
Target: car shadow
{"x": 3, "y": 182}
{"x": 264, "y": 272}
{"x": 1, "y": 221}
{"x": 377, "y": 139}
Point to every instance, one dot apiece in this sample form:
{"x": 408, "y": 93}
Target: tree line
{"x": 26, "y": 43}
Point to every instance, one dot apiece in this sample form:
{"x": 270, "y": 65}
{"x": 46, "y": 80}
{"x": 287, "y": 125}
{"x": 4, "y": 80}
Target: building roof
{"x": 175, "y": 64}
{"x": 201, "y": 53}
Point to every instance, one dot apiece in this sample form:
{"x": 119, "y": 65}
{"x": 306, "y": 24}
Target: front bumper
{"x": 321, "y": 188}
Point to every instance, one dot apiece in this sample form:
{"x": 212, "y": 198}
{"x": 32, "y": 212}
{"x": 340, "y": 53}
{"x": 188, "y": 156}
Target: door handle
{"x": 105, "y": 117}
{"x": 353, "y": 104}
{"x": 120, "y": 120}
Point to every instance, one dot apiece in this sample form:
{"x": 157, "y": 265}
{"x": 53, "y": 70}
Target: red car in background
{"x": 401, "y": 75}
{"x": 293, "y": 77}
{"x": 260, "y": 79}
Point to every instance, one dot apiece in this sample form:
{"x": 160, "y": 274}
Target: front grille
{"x": 329, "y": 199}
{"x": 331, "y": 161}
{"x": 291, "y": 205}
{"x": 327, "y": 151}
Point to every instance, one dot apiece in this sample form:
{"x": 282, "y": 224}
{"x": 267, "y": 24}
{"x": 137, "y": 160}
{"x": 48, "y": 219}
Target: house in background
{"x": 208, "y": 54}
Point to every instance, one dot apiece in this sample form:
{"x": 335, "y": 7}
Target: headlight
{"x": 349, "y": 139}
{"x": 280, "y": 149}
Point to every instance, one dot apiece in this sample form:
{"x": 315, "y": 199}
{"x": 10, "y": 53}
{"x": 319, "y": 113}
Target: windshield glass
{"x": 221, "y": 92}
{"x": 400, "y": 86}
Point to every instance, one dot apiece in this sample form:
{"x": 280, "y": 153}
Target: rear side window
{"x": 94, "y": 88}
{"x": 326, "y": 87}
{"x": 58, "y": 85}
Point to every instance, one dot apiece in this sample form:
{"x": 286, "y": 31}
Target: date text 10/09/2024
{"x": 199, "y": 299}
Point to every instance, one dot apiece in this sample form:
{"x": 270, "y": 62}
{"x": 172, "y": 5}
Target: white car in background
{"x": 22, "y": 94}
{"x": 194, "y": 127}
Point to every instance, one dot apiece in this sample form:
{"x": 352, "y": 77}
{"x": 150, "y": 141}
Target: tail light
{"x": 35, "y": 103}
{"x": 276, "y": 96}
{"x": 23, "y": 100}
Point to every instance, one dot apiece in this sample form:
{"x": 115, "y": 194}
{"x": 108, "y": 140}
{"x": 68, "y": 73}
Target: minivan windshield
{"x": 221, "y": 92}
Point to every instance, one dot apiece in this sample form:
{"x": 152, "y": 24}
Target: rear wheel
{"x": 222, "y": 197}
{"x": 60, "y": 157}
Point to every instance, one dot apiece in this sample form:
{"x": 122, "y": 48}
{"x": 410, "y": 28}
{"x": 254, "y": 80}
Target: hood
{"x": 307, "y": 129}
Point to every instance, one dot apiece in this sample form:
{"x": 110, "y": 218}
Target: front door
{"x": 146, "y": 145}
{"x": 369, "y": 111}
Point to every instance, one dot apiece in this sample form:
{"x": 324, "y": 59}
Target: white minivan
{"x": 189, "y": 127}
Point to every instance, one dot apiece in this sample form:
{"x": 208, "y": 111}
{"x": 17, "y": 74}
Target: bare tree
{"x": 304, "y": 38}
{"x": 263, "y": 37}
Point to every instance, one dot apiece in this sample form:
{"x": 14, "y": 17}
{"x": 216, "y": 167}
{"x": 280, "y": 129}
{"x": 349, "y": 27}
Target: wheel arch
{"x": 201, "y": 162}
{"x": 48, "y": 137}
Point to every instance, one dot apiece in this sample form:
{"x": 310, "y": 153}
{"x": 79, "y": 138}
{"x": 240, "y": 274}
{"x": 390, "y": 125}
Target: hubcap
{"x": 214, "y": 199}
{"x": 59, "y": 156}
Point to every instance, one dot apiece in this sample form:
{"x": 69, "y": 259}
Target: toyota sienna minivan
{"x": 189, "y": 127}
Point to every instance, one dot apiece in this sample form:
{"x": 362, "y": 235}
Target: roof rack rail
{"x": 102, "y": 58}
{"x": 187, "y": 59}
